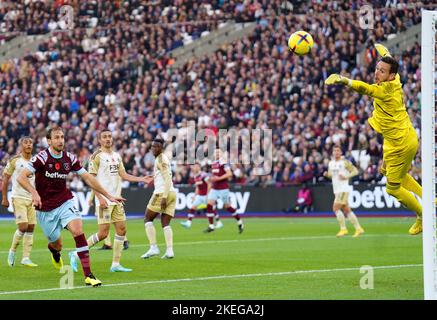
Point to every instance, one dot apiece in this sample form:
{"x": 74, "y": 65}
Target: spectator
{"x": 304, "y": 201}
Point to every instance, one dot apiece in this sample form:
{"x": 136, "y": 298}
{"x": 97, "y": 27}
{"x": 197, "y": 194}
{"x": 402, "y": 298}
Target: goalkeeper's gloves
{"x": 337, "y": 79}
{"x": 383, "y": 51}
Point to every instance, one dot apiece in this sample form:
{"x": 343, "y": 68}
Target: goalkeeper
{"x": 391, "y": 120}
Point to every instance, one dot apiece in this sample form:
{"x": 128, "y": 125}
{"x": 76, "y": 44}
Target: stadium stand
{"x": 107, "y": 72}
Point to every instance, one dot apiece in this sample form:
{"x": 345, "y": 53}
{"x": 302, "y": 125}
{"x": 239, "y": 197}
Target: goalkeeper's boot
{"x": 358, "y": 232}
{"x": 28, "y": 263}
{"x": 58, "y": 264}
{"x": 90, "y": 280}
{"x": 383, "y": 51}
{"x": 342, "y": 233}
{"x": 416, "y": 228}
{"x": 73, "y": 260}
{"x": 11, "y": 258}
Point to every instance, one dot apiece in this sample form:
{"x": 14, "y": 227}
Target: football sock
{"x": 108, "y": 239}
{"x": 230, "y": 209}
{"x": 55, "y": 253}
{"x": 118, "y": 248}
{"x": 210, "y": 216}
{"x": 168, "y": 234}
{"x": 83, "y": 253}
{"x": 340, "y": 218}
{"x": 190, "y": 215}
{"x": 354, "y": 220}
{"x": 406, "y": 198}
{"x": 151, "y": 233}
{"x": 27, "y": 244}
{"x": 18, "y": 235}
{"x": 92, "y": 240}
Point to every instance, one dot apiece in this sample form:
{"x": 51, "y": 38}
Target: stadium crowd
{"x": 118, "y": 75}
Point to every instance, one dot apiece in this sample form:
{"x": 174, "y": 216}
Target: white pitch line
{"x": 145, "y": 245}
{"x": 252, "y": 275}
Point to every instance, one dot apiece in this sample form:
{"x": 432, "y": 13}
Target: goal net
{"x": 428, "y": 147}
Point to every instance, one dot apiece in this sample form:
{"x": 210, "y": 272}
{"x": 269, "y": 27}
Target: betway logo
{"x": 56, "y": 175}
{"x": 238, "y": 200}
{"x": 369, "y": 199}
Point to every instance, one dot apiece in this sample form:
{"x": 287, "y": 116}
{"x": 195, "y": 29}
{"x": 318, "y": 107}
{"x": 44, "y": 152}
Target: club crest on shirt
{"x": 66, "y": 166}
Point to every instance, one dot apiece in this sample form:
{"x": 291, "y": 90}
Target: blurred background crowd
{"x": 115, "y": 70}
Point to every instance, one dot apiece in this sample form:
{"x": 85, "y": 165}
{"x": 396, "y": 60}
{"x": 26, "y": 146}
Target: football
{"x": 300, "y": 43}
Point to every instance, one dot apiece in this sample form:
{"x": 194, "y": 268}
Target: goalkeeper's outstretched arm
{"x": 361, "y": 87}
{"x": 372, "y": 90}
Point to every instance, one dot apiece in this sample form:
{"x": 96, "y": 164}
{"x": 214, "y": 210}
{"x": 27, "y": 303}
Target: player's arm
{"x": 227, "y": 175}
{"x": 164, "y": 168}
{"x": 7, "y": 174}
{"x": 92, "y": 182}
{"x": 383, "y": 51}
{"x": 91, "y": 199}
{"x": 93, "y": 169}
{"x": 6, "y": 178}
{"x": 208, "y": 183}
{"x": 371, "y": 90}
{"x": 328, "y": 173}
{"x": 23, "y": 180}
{"x": 166, "y": 174}
{"x": 128, "y": 177}
{"x": 102, "y": 201}
{"x": 353, "y": 171}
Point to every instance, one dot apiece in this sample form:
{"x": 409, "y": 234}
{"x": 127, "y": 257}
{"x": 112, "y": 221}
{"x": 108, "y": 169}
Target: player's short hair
{"x": 21, "y": 140}
{"x": 336, "y": 146}
{"x": 103, "y": 130}
{"x": 49, "y": 132}
{"x": 159, "y": 140}
{"x": 394, "y": 65}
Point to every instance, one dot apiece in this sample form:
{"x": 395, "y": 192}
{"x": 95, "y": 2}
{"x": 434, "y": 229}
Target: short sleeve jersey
{"x": 107, "y": 167}
{"x": 13, "y": 168}
{"x": 51, "y": 177}
{"x": 218, "y": 169}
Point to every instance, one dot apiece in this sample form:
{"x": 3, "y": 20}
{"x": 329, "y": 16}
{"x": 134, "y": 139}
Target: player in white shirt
{"x": 340, "y": 171}
{"x": 24, "y": 211}
{"x": 163, "y": 201}
{"x": 107, "y": 166}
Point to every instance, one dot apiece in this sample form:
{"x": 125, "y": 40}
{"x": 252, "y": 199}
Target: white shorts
{"x": 198, "y": 200}
{"x": 219, "y": 194}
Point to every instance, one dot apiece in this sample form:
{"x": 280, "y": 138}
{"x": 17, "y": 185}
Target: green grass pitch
{"x": 275, "y": 258}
